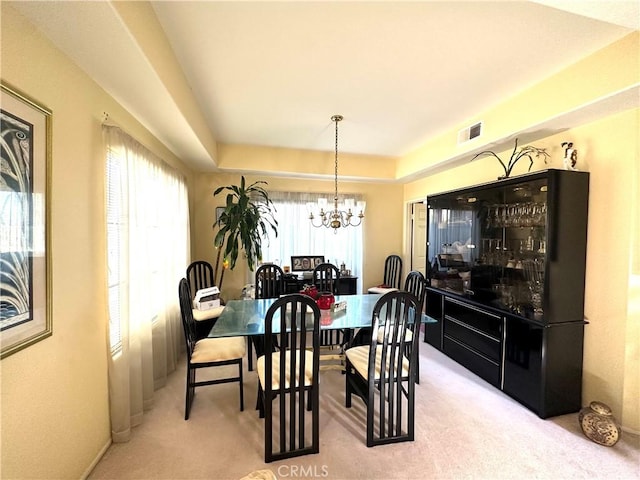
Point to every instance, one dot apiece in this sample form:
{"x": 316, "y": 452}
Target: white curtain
{"x": 296, "y": 235}
{"x": 450, "y": 230}
{"x": 148, "y": 251}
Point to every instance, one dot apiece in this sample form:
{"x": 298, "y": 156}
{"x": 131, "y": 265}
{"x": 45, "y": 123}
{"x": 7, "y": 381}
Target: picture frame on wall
{"x": 25, "y": 216}
{"x": 219, "y": 212}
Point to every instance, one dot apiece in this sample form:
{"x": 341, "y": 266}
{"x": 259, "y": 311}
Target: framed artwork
{"x": 306, "y": 262}
{"x": 25, "y": 189}
{"x": 219, "y": 211}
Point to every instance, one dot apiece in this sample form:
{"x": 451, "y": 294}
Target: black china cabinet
{"x": 506, "y": 267}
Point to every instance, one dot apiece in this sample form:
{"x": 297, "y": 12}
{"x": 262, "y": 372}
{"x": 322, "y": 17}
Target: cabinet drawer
{"x": 476, "y": 339}
{"x": 478, "y": 364}
{"x": 475, "y": 318}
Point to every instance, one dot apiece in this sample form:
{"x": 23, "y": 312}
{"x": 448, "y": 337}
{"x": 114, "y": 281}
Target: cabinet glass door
{"x": 489, "y": 244}
{"x": 513, "y": 247}
{"x": 453, "y": 235}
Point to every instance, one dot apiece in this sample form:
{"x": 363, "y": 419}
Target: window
{"x": 114, "y": 228}
{"x": 147, "y": 216}
{"x": 296, "y": 235}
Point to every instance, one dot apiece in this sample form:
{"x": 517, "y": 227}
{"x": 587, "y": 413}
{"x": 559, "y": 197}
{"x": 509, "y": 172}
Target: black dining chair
{"x": 207, "y": 352}
{"x": 416, "y": 284}
{"x": 200, "y": 275}
{"x": 383, "y": 373}
{"x": 288, "y": 370}
{"x": 269, "y": 281}
{"x": 326, "y": 278}
{"x": 392, "y": 277}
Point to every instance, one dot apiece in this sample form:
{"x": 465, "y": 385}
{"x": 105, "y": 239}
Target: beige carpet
{"x": 465, "y": 429}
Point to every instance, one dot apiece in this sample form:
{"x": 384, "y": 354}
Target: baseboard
{"x": 99, "y": 456}
{"x": 630, "y": 431}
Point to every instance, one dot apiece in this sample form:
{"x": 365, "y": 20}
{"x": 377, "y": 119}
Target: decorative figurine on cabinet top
{"x": 528, "y": 151}
{"x": 570, "y": 156}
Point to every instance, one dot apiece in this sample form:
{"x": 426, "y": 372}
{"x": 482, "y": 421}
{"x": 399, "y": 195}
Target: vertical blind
{"x": 115, "y": 224}
{"x": 147, "y": 214}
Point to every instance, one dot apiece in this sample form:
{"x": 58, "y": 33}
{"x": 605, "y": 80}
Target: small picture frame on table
{"x": 303, "y": 263}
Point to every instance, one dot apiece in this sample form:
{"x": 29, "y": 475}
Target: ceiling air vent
{"x": 469, "y": 133}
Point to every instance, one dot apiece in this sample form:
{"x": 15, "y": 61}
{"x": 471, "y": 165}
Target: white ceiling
{"x": 273, "y": 73}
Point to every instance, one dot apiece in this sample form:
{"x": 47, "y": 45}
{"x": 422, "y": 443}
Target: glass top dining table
{"x": 246, "y": 317}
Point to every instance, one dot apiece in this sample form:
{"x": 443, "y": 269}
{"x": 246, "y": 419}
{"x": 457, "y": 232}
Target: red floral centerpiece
{"x": 310, "y": 291}
{"x": 326, "y": 300}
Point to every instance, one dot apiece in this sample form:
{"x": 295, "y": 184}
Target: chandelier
{"x": 341, "y": 214}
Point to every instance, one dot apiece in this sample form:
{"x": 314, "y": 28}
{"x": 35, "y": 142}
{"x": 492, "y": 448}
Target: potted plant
{"x": 244, "y": 223}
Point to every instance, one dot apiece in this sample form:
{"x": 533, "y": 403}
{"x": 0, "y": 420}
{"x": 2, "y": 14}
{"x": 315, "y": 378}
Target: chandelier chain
{"x": 336, "y": 218}
{"x": 336, "y": 119}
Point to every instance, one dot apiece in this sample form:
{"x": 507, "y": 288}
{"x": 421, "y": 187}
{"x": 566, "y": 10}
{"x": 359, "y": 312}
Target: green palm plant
{"x": 244, "y": 224}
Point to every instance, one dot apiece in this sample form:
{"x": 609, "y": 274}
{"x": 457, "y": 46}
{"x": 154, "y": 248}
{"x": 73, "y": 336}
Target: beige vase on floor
{"x": 599, "y": 425}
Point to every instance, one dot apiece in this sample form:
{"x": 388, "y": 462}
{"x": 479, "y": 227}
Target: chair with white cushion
{"x": 288, "y": 372}
{"x": 200, "y": 275}
{"x": 416, "y": 283}
{"x": 269, "y": 281}
{"x": 207, "y": 352}
{"x": 326, "y": 278}
{"x": 383, "y": 373}
{"x": 392, "y": 278}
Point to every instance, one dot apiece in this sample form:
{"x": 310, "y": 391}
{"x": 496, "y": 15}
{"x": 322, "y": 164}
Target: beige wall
{"x": 55, "y": 412}
{"x": 382, "y": 224}
{"x": 282, "y": 161}
{"x": 54, "y": 394}
{"x": 613, "y": 69}
{"x": 609, "y": 150}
